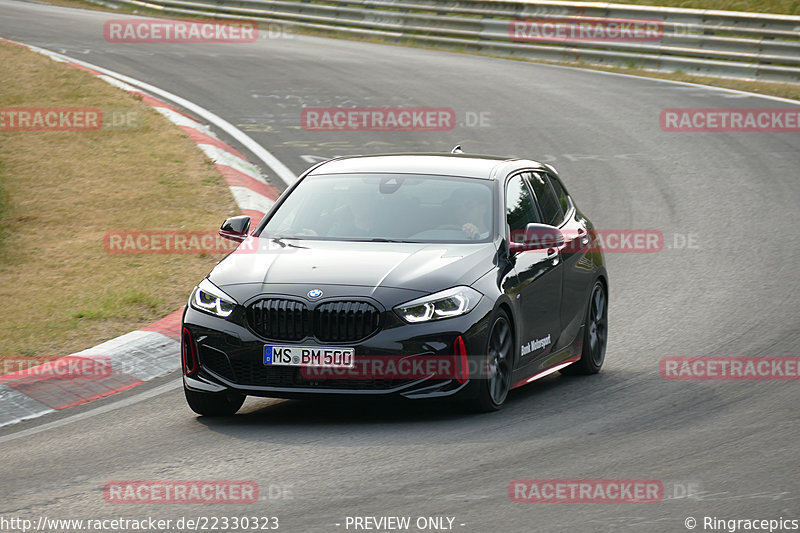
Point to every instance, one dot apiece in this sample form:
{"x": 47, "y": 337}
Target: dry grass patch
{"x": 62, "y": 191}
{"x": 785, "y": 7}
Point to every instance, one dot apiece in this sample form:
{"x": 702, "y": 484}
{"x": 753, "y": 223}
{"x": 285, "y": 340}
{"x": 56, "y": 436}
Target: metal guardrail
{"x": 755, "y": 46}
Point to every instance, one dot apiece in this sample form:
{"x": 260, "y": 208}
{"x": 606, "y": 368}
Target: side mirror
{"x": 536, "y": 237}
{"x": 235, "y": 228}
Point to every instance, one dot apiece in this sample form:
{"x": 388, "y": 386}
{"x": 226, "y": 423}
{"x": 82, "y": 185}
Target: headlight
{"x": 446, "y": 304}
{"x": 209, "y": 298}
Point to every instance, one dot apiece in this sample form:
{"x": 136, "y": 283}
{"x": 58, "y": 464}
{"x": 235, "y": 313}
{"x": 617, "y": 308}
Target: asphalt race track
{"x": 724, "y": 449}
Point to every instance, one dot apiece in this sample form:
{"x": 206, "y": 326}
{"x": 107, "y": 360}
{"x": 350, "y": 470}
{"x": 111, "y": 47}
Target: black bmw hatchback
{"x": 418, "y": 275}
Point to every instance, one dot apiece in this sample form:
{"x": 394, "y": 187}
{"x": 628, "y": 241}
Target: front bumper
{"x": 230, "y": 358}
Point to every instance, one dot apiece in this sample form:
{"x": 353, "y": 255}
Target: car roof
{"x": 464, "y": 165}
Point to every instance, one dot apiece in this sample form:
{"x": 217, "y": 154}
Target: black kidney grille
{"x": 290, "y": 320}
{"x": 345, "y": 321}
{"x": 280, "y": 319}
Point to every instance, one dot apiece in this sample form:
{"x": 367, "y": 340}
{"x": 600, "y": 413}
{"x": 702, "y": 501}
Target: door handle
{"x": 584, "y": 236}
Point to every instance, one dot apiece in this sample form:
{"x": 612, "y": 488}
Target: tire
{"x": 595, "y": 334}
{"x": 214, "y": 403}
{"x": 490, "y": 392}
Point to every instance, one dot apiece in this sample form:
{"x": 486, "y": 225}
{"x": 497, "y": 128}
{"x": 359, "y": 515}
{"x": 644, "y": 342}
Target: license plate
{"x": 312, "y": 356}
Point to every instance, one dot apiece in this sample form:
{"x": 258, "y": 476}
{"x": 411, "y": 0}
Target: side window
{"x": 548, "y": 203}
{"x": 520, "y": 210}
{"x": 561, "y": 194}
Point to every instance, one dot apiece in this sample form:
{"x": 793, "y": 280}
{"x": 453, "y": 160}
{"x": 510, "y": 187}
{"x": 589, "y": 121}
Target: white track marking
{"x": 222, "y": 157}
{"x": 676, "y": 82}
{"x": 248, "y": 199}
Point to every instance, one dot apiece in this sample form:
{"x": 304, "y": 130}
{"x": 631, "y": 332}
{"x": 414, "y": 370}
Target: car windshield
{"x": 386, "y": 207}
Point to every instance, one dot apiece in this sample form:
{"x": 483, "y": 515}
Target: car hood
{"x": 422, "y": 267}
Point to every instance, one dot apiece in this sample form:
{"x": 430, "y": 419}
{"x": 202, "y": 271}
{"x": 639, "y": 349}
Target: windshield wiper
{"x": 279, "y": 241}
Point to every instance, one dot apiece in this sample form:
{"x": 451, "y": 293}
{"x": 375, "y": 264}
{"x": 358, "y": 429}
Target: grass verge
{"x": 61, "y": 291}
{"x": 3, "y": 202}
{"x": 785, "y": 7}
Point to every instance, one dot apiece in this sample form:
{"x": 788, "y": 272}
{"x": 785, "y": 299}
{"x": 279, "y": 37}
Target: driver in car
{"x": 472, "y": 213}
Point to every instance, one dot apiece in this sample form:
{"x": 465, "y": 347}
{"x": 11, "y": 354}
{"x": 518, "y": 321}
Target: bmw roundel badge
{"x": 314, "y": 294}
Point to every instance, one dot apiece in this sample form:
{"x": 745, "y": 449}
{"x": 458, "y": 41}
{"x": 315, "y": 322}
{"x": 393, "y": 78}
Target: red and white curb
{"x": 153, "y": 351}
{"x": 131, "y": 359}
